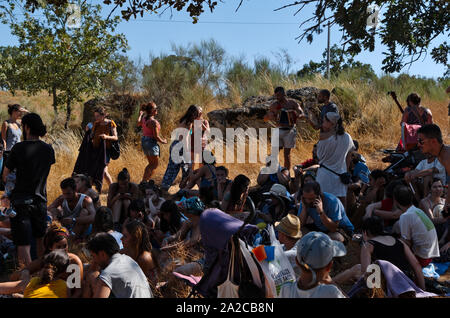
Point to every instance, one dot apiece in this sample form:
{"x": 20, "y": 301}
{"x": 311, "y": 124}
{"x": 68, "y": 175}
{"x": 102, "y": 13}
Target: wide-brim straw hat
{"x": 289, "y": 226}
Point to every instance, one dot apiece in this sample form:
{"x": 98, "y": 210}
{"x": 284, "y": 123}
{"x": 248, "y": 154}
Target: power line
{"x": 199, "y": 22}
{"x": 216, "y": 22}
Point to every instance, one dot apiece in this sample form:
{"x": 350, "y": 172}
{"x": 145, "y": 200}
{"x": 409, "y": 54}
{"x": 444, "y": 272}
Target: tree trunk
{"x": 55, "y": 105}
{"x": 69, "y": 111}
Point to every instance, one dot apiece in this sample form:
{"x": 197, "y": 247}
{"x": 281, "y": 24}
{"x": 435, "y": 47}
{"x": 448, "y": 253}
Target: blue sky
{"x": 242, "y": 34}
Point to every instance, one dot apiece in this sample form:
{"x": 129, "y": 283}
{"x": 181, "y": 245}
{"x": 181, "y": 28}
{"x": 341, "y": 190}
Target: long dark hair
{"x": 141, "y": 239}
{"x": 55, "y": 263}
{"x": 34, "y": 122}
{"x": 12, "y": 108}
{"x": 190, "y": 115}
{"x": 103, "y": 221}
{"x": 240, "y": 183}
{"x": 174, "y": 224}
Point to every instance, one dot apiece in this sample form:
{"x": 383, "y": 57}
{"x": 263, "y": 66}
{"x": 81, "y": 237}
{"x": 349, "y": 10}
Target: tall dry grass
{"x": 375, "y": 126}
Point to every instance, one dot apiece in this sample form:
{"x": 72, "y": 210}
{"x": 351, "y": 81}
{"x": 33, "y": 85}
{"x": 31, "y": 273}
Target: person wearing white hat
{"x": 333, "y": 150}
{"x": 315, "y": 253}
{"x": 280, "y": 204}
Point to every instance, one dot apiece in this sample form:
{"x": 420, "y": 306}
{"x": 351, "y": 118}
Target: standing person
{"x": 416, "y": 229}
{"x": 104, "y": 131}
{"x": 186, "y": 122}
{"x": 204, "y": 129}
{"x": 415, "y": 114}
{"x": 120, "y": 195}
{"x": 74, "y": 210}
{"x": 285, "y": 113}
{"x": 329, "y": 107}
{"x": 150, "y": 137}
{"x": 11, "y": 132}
{"x": 32, "y": 159}
{"x": 430, "y": 142}
{"x": 333, "y": 151}
{"x": 120, "y": 276}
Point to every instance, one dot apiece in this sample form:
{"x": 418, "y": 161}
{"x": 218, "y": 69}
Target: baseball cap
{"x": 278, "y": 190}
{"x": 317, "y": 249}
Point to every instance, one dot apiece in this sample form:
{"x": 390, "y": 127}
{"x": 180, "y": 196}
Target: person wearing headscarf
{"x": 189, "y": 232}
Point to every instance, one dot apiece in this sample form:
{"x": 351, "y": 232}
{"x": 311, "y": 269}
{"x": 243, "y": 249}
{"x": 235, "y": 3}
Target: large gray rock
{"x": 254, "y": 108}
{"x": 119, "y": 107}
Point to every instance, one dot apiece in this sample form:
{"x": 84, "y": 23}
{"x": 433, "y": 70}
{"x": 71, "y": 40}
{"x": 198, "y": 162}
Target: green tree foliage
{"x": 407, "y": 27}
{"x": 127, "y": 80}
{"x": 340, "y": 61}
{"x": 167, "y": 76}
{"x": 69, "y": 63}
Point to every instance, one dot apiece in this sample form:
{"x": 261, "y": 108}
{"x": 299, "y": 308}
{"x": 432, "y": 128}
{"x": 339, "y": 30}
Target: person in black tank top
{"x": 377, "y": 245}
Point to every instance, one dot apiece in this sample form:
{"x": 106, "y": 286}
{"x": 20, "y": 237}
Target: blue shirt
{"x": 333, "y": 208}
{"x": 361, "y": 171}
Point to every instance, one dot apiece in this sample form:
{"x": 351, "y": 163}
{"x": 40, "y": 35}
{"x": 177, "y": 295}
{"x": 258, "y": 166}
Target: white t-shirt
{"x": 291, "y": 255}
{"x": 417, "y": 227}
{"x": 118, "y": 237}
{"x": 332, "y": 153}
{"x": 125, "y": 278}
{"x": 424, "y": 165}
{"x": 290, "y": 290}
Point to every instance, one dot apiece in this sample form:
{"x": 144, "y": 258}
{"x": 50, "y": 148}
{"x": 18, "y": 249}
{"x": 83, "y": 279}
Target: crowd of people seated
{"x": 328, "y": 202}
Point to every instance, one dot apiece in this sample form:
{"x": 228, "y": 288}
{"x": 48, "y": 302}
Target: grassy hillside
{"x": 374, "y": 123}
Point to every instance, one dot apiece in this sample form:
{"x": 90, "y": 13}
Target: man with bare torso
{"x": 285, "y": 113}
{"x": 430, "y": 142}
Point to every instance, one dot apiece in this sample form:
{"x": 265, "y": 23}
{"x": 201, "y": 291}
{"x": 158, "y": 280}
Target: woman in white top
{"x": 433, "y": 204}
{"x": 333, "y": 149}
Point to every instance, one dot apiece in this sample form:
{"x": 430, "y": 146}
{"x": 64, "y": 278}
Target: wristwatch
{"x": 73, "y": 221}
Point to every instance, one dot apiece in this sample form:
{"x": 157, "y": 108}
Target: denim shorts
{"x": 150, "y": 146}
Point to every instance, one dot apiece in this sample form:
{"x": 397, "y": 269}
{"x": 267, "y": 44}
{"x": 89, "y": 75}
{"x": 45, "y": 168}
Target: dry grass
{"x": 376, "y": 127}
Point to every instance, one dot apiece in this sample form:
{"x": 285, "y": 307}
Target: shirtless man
{"x": 74, "y": 210}
{"x": 430, "y": 142}
{"x": 285, "y": 113}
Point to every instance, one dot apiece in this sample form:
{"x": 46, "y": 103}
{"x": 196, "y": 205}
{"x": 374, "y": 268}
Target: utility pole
{"x": 328, "y": 52}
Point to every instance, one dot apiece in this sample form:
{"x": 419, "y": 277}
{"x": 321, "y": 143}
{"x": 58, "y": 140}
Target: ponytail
{"x": 48, "y": 274}
{"x": 340, "y": 130}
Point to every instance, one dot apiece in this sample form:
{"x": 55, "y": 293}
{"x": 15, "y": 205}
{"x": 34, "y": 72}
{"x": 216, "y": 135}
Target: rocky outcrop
{"x": 119, "y": 107}
{"x": 253, "y": 109}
